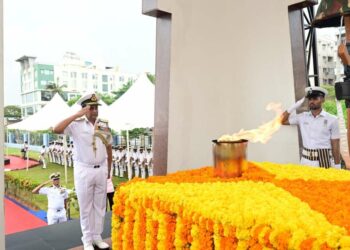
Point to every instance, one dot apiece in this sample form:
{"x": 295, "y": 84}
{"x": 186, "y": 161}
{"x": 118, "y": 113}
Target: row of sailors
{"x": 139, "y": 164}
{"x": 56, "y": 153}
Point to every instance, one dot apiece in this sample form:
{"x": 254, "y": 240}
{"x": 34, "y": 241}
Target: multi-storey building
{"x": 330, "y": 68}
{"x": 34, "y": 78}
{"x": 76, "y": 75}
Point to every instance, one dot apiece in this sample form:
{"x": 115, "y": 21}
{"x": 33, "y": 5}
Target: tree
{"x": 73, "y": 100}
{"x": 152, "y": 78}
{"x": 136, "y": 132}
{"x": 12, "y": 111}
{"x": 117, "y": 94}
{"x": 106, "y": 98}
{"x": 55, "y": 88}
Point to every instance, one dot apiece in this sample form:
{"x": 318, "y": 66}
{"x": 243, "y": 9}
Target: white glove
{"x": 296, "y": 105}
{"x": 337, "y": 166}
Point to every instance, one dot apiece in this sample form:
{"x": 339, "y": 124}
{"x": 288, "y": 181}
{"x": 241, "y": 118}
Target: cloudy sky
{"x": 112, "y": 32}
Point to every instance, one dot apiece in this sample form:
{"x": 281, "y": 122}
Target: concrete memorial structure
{"x": 218, "y": 64}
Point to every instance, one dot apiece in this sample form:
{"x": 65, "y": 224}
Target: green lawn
{"x": 39, "y": 175}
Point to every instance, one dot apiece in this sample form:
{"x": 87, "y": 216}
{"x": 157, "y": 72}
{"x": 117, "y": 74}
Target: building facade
{"x": 330, "y": 67}
{"x": 74, "y": 74}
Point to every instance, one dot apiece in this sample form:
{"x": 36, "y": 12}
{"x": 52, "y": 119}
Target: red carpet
{"x": 18, "y": 219}
{"x": 19, "y": 163}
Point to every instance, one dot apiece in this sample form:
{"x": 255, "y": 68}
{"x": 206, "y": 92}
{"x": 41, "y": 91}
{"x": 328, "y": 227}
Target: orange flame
{"x": 262, "y": 134}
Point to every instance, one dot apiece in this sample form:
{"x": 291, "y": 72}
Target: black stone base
{"x": 6, "y": 161}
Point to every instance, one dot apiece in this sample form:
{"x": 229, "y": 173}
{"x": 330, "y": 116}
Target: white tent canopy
{"x": 135, "y": 108}
{"x": 47, "y": 117}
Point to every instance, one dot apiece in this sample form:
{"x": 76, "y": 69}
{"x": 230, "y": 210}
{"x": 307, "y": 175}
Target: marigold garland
{"x": 270, "y": 206}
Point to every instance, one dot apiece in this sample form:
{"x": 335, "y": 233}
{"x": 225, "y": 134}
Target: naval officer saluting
{"x": 319, "y": 130}
{"x": 92, "y": 165}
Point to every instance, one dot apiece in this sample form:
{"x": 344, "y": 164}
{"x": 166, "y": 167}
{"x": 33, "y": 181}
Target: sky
{"x": 109, "y": 32}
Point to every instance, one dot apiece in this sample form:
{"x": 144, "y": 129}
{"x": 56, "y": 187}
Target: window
{"x": 29, "y": 98}
{"x": 94, "y": 76}
{"x": 105, "y": 87}
{"x": 43, "y": 82}
{"x": 84, "y": 75}
{"x": 73, "y": 74}
{"x": 30, "y": 111}
{"x": 104, "y": 78}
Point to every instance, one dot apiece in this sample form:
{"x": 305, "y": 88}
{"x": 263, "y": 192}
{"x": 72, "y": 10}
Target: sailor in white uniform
{"x": 149, "y": 162}
{"x": 42, "y": 156}
{"x": 56, "y": 196}
{"x": 134, "y": 162}
{"x": 92, "y": 164}
{"x": 319, "y": 130}
{"x": 141, "y": 162}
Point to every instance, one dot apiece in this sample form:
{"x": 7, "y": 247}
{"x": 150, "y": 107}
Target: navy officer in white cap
{"x": 92, "y": 165}
{"x": 57, "y": 199}
{"x": 319, "y": 130}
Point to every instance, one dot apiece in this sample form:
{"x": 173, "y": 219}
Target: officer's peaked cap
{"x": 89, "y": 99}
{"x": 55, "y": 176}
{"x": 315, "y": 92}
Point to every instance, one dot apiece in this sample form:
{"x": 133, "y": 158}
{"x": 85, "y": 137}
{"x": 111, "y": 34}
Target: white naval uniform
{"x": 50, "y": 153}
{"x": 42, "y": 157}
{"x": 149, "y": 164}
{"x": 134, "y": 164}
{"x": 316, "y": 132}
{"x": 90, "y": 182}
{"x": 142, "y": 157}
{"x": 115, "y": 163}
{"x": 56, "y": 212}
{"x": 122, "y": 163}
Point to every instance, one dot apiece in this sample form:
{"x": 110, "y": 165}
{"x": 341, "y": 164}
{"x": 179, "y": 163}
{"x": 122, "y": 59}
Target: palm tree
{"x": 55, "y": 88}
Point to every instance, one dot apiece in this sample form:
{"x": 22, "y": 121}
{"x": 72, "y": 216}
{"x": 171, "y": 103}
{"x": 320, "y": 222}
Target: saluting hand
{"x": 83, "y": 111}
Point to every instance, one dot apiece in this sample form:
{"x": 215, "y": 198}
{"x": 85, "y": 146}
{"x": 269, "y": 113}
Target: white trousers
{"x": 90, "y": 185}
{"x": 54, "y": 217}
{"x": 116, "y": 168}
{"x": 42, "y": 159}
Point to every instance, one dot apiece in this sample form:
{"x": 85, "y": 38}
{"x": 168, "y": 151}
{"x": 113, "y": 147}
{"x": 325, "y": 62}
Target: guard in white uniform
{"x": 149, "y": 162}
{"x": 92, "y": 164}
{"x": 42, "y": 156}
{"x": 141, "y": 162}
{"x": 50, "y": 152}
{"x": 115, "y": 161}
{"x": 134, "y": 162}
{"x": 123, "y": 161}
{"x": 319, "y": 130}
{"x": 56, "y": 196}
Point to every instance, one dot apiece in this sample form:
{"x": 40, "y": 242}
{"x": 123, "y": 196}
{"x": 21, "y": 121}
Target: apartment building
{"x": 75, "y": 74}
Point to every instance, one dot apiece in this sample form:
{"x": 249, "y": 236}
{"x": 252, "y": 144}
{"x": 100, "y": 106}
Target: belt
{"x": 85, "y": 165}
{"x": 56, "y": 210}
{"x": 322, "y": 155}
